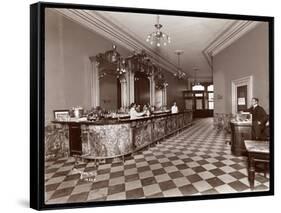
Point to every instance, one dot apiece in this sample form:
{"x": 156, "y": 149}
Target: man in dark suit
{"x": 259, "y": 119}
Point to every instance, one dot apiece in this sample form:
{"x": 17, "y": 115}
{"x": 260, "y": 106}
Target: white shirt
{"x": 134, "y": 113}
{"x": 174, "y": 109}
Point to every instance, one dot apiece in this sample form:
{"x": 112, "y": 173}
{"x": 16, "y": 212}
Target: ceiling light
{"x": 158, "y": 36}
{"x": 195, "y": 69}
{"x": 179, "y": 74}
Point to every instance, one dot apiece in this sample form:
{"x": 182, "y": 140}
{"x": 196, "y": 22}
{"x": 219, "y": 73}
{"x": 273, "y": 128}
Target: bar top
{"x": 107, "y": 121}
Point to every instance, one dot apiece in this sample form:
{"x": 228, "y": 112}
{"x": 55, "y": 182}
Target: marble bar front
{"x": 113, "y": 138}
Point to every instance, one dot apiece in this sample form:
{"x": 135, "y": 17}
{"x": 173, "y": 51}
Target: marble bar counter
{"x": 111, "y": 138}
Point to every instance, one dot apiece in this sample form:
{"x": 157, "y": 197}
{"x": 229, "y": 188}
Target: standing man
{"x": 259, "y": 119}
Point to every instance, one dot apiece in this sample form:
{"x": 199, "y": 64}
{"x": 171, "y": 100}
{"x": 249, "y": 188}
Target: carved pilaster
{"x": 95, "y": 83}
{"x": 124, "y": 98}
{"x": 164, "y": 95}
{"x": 131, "y": 84}
{"x": 127, "y": 76}
{"x": 152, "y": 90}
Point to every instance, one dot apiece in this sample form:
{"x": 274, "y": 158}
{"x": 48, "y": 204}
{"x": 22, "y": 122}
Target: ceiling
{"x": 190, "y": 34}
{"x": 193, "y": 35}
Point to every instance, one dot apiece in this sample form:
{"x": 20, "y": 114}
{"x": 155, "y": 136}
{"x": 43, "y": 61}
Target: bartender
{"x": 133, "y": 112}
{"x": 174, "y": 108}
{"x": 146, "y": 109}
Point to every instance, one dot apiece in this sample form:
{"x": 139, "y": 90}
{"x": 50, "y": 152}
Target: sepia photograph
{"x": 153, "y": 105}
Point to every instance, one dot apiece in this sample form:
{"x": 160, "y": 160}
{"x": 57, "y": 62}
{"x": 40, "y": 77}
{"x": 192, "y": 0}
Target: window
{"x": 211, "y": 105}
{"x": 198, "y": 87}
{"x": 210, "y": 89}
{"x": 211, "y": 96}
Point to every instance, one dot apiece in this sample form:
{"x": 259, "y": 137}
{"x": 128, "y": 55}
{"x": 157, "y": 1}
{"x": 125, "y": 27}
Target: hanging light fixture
{"x": 179, "y": 74}
{"x": 196, "y": 84}
{"x": 158, "y": 38}
{"x": 195, "y": 69}
{"x": 121, "y": 67}
{"x": 112, "y": 56}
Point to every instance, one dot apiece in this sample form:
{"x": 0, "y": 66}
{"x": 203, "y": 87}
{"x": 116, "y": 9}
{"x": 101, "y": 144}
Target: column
{"x": 127, "y": 76}
{"x": 95, "y": 83}
{"x": 123, "y": 83}
{"x": 165, "y": 96}
{"x": 152, "y": 90}
{"x": 132, "y": 87}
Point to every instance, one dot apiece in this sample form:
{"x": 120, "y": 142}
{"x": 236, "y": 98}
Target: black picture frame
{"x": 37, "y": 103}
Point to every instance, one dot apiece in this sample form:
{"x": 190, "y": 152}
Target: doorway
{"x": 242, "y": 93}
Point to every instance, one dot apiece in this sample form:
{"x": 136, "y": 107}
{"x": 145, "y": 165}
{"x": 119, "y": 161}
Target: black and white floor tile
{"x": 196, "y": 161}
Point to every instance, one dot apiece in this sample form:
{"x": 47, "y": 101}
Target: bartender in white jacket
{"x": 133, "y": 112}
{"x": 174, "y": 108}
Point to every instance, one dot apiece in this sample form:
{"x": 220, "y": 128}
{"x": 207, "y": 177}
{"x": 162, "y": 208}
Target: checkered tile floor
{"x": 196, "y": 161}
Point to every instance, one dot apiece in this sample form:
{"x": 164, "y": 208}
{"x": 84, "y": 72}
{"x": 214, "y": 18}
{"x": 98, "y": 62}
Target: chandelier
{"x": 179, "y": 74}
{"x": 158, "y": 37}
{"x": 112, "y": 62}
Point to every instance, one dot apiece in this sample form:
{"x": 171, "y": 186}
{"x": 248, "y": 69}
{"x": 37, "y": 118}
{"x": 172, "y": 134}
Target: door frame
{"x": 245, "y": 81}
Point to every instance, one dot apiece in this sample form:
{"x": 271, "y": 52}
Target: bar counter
{"x": 240, "y": 131}
{"x": 111, "y": 138}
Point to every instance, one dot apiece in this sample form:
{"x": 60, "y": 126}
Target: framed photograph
{"x": 61, "y": 115}
{"x": 131, "y": 77}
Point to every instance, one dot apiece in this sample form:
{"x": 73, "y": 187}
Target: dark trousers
{"x": 257, "y": 131}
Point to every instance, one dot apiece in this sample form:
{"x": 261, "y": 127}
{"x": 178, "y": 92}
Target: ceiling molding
{"x": 106, "y": 28}
{"x": 231, "y": 34}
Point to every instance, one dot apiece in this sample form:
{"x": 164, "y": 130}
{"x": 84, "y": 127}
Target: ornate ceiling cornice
{"x": 100, "y": 24}
{"x": 106, "y": 28}
{"x": 235, "y": 31}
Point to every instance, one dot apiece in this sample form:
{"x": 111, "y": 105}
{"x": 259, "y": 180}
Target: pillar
{"x": 124, "y": 98}
{"x": 165, "y": 95}
{"x": 95, "y": 83}
{"x": 152, "y": 90}
{"x": 131, "y": 84}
